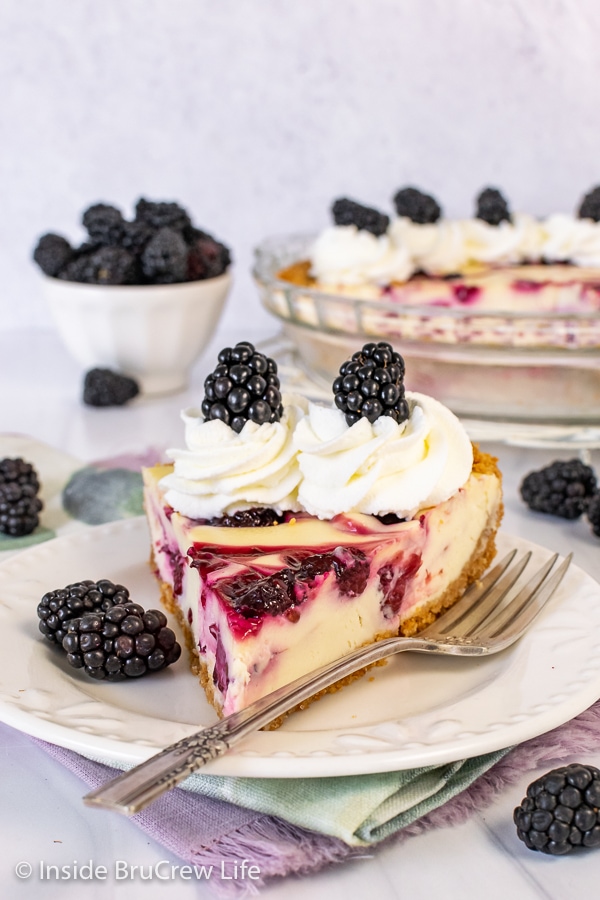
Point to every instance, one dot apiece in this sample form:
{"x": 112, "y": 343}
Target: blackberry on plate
{"x": 371, "y": 384}
{"x": 19, "y": 503}
{"x": 122, "y": 642}
{"x": 58, "y": 607}
{"x": 164, "y": 259}
{"x": 244, "y": 387}
{"x": 423, "y": 209}
{"x": 348, "y": 212}
{"x": 52, "y": 254}
{"x": 492, "y": 207}
{"x": 158, "y": 214}
{"x": 104, "y": 224}
{"x": 106, "y": 265}
{"x": 561, "y": 810}
{"x": 561, "y": 489}
{"x": 207, "y": 258}
{"x": 103, "y": 387}
{"x": 593, "y": 514}
{"x": 590, "y": 205}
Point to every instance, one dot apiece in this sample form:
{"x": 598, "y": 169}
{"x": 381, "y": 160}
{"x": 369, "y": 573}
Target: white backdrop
{"x": 256, "y": 115}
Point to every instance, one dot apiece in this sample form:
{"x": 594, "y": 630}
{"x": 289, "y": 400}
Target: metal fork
{"x": 477, "y": 625}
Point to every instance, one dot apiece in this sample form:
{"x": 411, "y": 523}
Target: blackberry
{"x": 104, "y": 224}
{"x": 207, "y": 258}
{"x": 561, "y": 489}
{"x": 417, "y": 206}
{"x": 164, "y": 259}
{"x": 106, "y": 265}
{"x": 492, "y": 207}
{"x": 256, "y": 517}
{"x": 253, "y": 596}
{"x": 593, "y": 514}
{"x": 19, "y": 503}
{"x": 370, "y": 385}
{"x": 161, "y": 215}
{"x": 244, "y": 387}
{"x": 348, "y": 212}
{"x": 561, "y": 810}
{"x": 102, "y": 387}
{"x": 57, "y": 608}
{"x": 135, "y": 237}
{"x": 123, "y": 642}
{"x": 52, "y": 254}
{"x": 590, "y": 205}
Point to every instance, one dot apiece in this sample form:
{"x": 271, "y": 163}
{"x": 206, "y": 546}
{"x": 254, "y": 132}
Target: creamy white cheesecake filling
{"x": 430, "y": 552}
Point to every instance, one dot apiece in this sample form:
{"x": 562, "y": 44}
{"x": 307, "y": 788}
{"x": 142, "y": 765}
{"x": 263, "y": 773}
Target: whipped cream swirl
{"x": 439, "y": 248}
{"x": 345, "y": 255}
{"x": 451, "y": 245}
{"x": 221, "y": 471}
{"x": 381, "y": 467}
{"x": 569, "y": 239}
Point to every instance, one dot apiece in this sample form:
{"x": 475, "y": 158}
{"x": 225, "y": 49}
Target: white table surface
{"x": 40, "y": 802}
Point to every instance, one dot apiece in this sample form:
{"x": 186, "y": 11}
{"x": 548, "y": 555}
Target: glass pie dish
{"x": 526, "y": 366}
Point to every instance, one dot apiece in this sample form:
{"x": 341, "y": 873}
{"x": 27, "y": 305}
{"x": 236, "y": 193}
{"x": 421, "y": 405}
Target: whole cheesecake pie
{"x": 286, "y": 534}
{"x": 498, "y": 260}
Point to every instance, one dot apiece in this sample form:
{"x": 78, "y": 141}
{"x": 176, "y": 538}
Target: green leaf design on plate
{"x": 96, "y": 496}
{"x": 27, "y": 540}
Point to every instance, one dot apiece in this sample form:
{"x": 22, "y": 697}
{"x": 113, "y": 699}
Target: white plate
{"x": 417, "y": 710}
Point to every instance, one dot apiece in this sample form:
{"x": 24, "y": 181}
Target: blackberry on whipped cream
{"x": 370, "y": 384}
{"x": 244, "y": 387}
{"x": 421, "y": 208}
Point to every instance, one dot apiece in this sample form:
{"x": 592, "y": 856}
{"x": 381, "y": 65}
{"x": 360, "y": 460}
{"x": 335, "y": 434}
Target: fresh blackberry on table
{"x": 52, "y": 254}
{"x": 57, "y": 608}
{"x": 158, "y": 214}
{"x": 423, "y": 209}
{"x": 123, "y": 642}
{"x": 561, "y": 810}
{"x": 207, "y": 258}
{"x": 104, "y": 224}
{"x": 19, "y": 502}
{"x": 348, "y": 212}
{"x": 107, "y": 265}
{"x": 593, "y": 514}
{"x": 164, "y": 259}
{"x": 103, "y": 387}
{"x": 244, "y": 387}
{"x": 492, "y": 207}
{"x": 371, "y": 384}
{"x": 561, "y": 489}
{"x": 590, "y": 205}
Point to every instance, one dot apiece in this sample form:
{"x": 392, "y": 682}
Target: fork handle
{"x": 133, "y": 790}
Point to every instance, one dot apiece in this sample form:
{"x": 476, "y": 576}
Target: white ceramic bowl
{"x": 154, "y": 333}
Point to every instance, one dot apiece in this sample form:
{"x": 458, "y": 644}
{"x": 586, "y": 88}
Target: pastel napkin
{"x": 214, "y": 828}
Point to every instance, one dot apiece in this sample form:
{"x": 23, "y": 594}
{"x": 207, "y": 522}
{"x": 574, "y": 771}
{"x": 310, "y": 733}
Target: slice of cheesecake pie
{"x": 270, "y": 587}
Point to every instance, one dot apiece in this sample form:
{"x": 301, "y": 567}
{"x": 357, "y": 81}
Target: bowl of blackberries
{"x": 140, "y": 296}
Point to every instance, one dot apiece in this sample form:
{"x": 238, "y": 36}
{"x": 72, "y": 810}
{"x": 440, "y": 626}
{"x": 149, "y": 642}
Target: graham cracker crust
{"x": 299, "y": 274}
